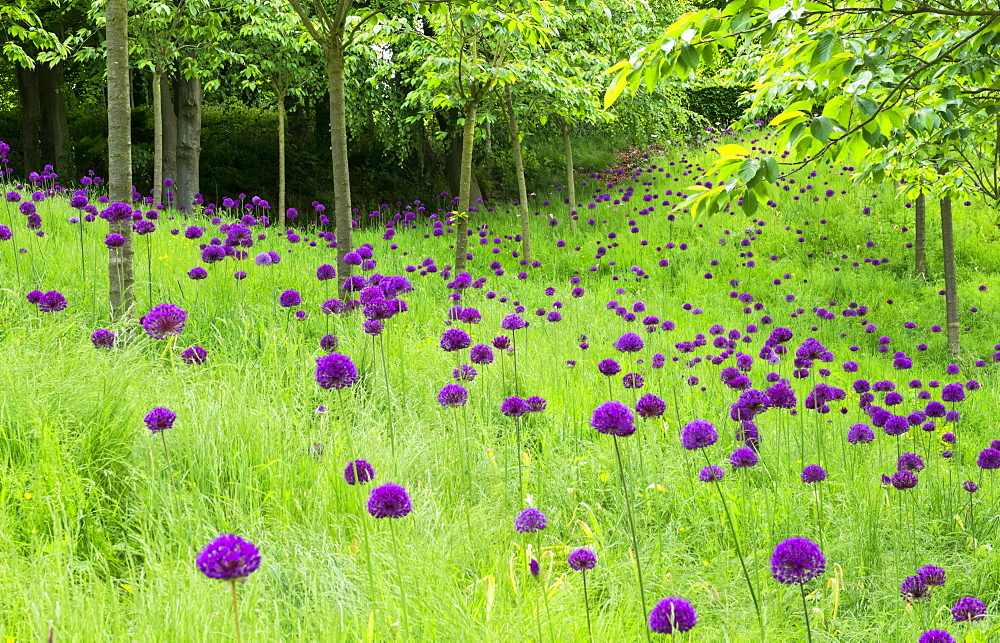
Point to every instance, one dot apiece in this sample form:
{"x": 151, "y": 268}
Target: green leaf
{"x": 617, "y": 87}
{"x": 748, "y": 170}
{"x": 824, "y": 48}
{"x": 821, "y": 127}
{"x": 771, "y": 171}
{"x": 689, "y": 56}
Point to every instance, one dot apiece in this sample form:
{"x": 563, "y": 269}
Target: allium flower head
{"x": 954, "y": 392}
{"x": 513, "y": 322}
{"x": 933, "y": 576}
{"x": 358, "y": 472}
{"x": 535, "y": 404}
{"x": 969, "y": 608}
{"x": 910, "y": 462}
{"x": 481, "y": 354}
{"x": 389, "y": 501}
{"x": 530, "y": 520}
{"x": 650, "y": 406}
{"x": 534, "y": 568}
{"x": 335, "y": 371}
{"x": 52, "y": 302}
{"x": 194, "y": 355}
{"x": 609, "y": 367}
{"x": 711, "y": 473}
{"x": 455, "y": 339}
{"x": 813, "y": 473}
{"x": 970, "y": 486}
{"x": 453, "y": 396}
{"x": 743, "y": 457}
{"x": 629, "y": 343}
{"x": 228, "y": 558}
{"x": 915, "y": 590}
{"x": 164, "y": 320}
{"x": 936, "y": 636}
{"x": 103, "y": 338}
{"x": 903, "y": 480}
{"x": 698, "y": 434}
{"x": 672, "y": 614}
{"x": 797, "y": 560}
{"x": 290, "y": 298}
{"x": 513, "y": 407}
{"x": 989, "y": 459}
{"x": 582, "y": 559}
{"x": 613, "y": 418}
{"x": 159, "y": 419}
{"x": 860, "y": 433}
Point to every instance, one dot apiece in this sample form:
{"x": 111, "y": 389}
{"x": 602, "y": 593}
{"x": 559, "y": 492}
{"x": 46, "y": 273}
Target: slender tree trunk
{"x": 51, "y": 91}
{"x": 489, "y": 138}
{"x": 188, "y": 142}
{"x": 950, "y": 279}
{"x": 465, "y": 187}
{"x": 157, "y": 136}
{"x": 920, "y": 238}
{"x": 570, "y": 176}
{"x": 341, "y": 171}
{"x": 169, "y": 115}
{"x": 120, "y": 274}
{"x": 281, "y": 160}
{"x": 31, "y": 116}
{"x": 522, "y": 189}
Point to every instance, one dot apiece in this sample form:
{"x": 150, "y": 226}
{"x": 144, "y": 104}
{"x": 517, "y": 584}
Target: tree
{"x": 465, "y": 52}
{"x": 858, "y": 83}
{"x": 120, "y": 266}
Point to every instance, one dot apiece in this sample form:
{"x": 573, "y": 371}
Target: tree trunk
{"x": 570, "y": 176}
{"x": 489, "y": 138}
{"x": 27, "y": 92}
{"x": 169, "y": 114}
{"x": 120, "y": 275}
{"x": 51, "y": 93}
{"x": 157, "y": 136}
{"x": 465, "y": 188}
{"x": 920, "y": 239}
{"x": 341, "y": 171}
{"x": 188, "y": 142}
{"x": 281, "y": 160}
{"x": 522, "y": 189}
{"x": 950, "y": 280}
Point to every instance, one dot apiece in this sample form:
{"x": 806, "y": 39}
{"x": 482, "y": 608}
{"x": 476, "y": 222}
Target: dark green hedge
{"x": 721, "y": 105}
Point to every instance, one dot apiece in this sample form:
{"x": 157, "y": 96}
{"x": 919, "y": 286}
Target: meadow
{"x": 105, "y": 517}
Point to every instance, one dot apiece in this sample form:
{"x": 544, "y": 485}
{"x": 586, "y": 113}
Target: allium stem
{"x": 739, "y": 550}
{"x": 805, "y": 610}
{"x": 586, "y": 606}
{"x": 236, "y": 611}
{"x": 399, "y": 567}
{"x": 635, "y": 541}
{"x": 513, "y": 339}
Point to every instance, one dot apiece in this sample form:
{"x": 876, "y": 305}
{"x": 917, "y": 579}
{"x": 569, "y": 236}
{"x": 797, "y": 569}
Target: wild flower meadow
{"x": 715, "y": 429}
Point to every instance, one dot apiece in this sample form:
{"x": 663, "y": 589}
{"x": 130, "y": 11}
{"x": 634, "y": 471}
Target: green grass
{"x": 101, "y": 535}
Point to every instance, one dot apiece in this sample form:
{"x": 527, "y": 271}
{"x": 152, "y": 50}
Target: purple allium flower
{"x": 160, "y": 419}
{"x": 117, "y": 211}
{"x": 453, "y": 396}
{"x": 228, "y": 558}
{"x": 915, "y": 590}
{"x": 608, "y": 367}
{"x": 953, "y": 392}
{"x": 290, "y": 298}
{"x": 968, "y": 609}
{"x": 329, "y": 343}
{"x": 455, "y": 339}
{"x": 933, "y": 576}
{"x": 194, "y": 355}
{"x": 743, "y": 457}
{"x": 52, "y": 302}
{"x": 860, "y": 433}
{"x": 988, "y": 459}
{"x": 936, "y": 636}
{"x": 197, "y": 273}
{"x": 970, "y": 486}
{"x": 813, "y": 473}
{"x": 464, "y": 373}
{"x": 698, "y": 434}
{"x": 335, "y": 371}
{"x": 711, "y": 473}
{"x": 896, "y": 425}
{"x": 513, "y": 407}
{"x": 359, "y": 472}
{"x": 672, "y": 614}
{"x": 533, "y": 567}
{"x": 481, "y": 354}
{"x": 325, "y": 271}
{"x": 164, "y": 320}
{"x": 103, "y": 338}
{"x": 535, "y": 404}
{"x": 513, "y": 322}
{"x": 910, "y": 462}
{"x": 529, "y": 521}
{"x": 35, "y": 296}
{"x": 650, "y": 406}
{"x": 903, "y": 480}
{"x": 582, "y": 559}
{"x": 613, "y": 418}
{"x": 501, "y": 342}
{"x": 935, "y": 410}
{"x": 114, "y": 240}
{"x": 389, "y": 501}
{"x": 797, "y": 560}
{"x": 633, "y": 380}
{"x": 629, "y": 343}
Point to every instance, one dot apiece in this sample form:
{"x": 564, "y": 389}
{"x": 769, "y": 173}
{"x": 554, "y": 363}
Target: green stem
{"x": 236, "y": 611}
{"x": 805, "y": 610}
{"x": 586, "y": 605}
{"x": 635, "y": 541}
